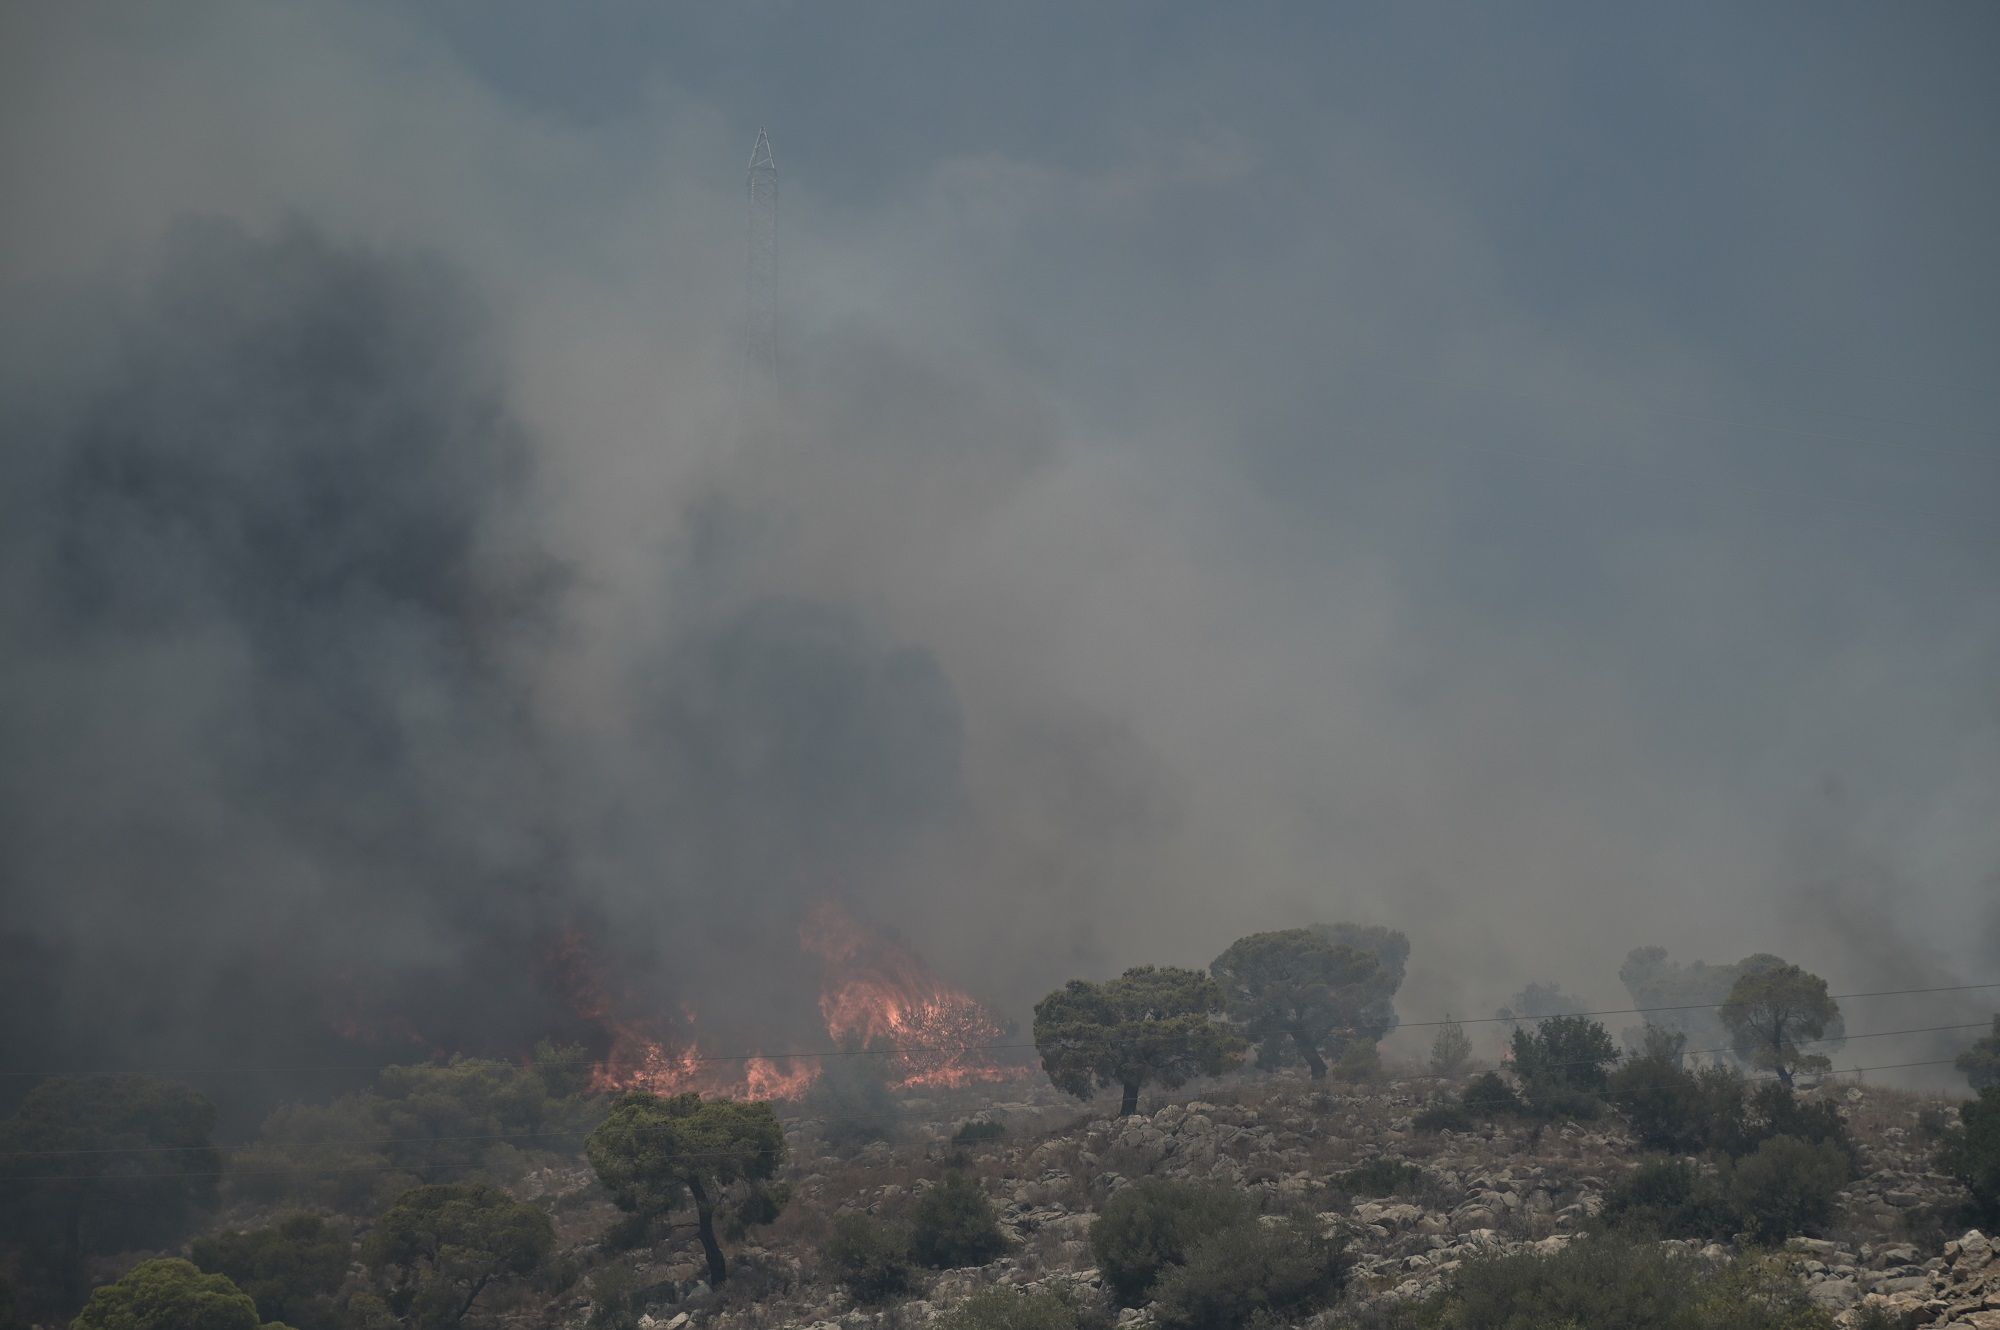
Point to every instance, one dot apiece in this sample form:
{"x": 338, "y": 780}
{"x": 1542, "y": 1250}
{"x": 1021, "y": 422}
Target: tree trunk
{"x": 1314, "y": 1061}
{"x": 1130, "y": 1104}
{"x": 704, "y": 1212}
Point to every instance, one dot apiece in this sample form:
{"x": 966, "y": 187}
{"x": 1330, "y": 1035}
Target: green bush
{"x": 1004, "y": 1308}
{"x": 1970, "y": 1152}
{"x": 291, "y": 1269}
{"x": 1674, "y": 1109}
{"x": 1249, "y": 1274}
{"x": 1444, "y": 1115}
{"x": 954, "y": 1225}
{"x": 870, "y": 1260}
{"x": 1609, "y": 1283}
{"x": 168, "y": 1295}
{"x": 1787, "y": 1187}
{"x": 1561, "y": 1063}
{"x": 1154, "y": 1224}
{"x": 1380, "y": 1177}
{"x": 1487, "y": 1095}
{"x": 1672, "y": 1198}
{"x": 1360, "y": 1063}
{"x": 974, "y": 1130}
{"x": 1776, "y": 1111}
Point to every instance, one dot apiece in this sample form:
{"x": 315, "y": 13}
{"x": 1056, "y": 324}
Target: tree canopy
{"x": 1561, "y": 1063}
{"x": 427, "y": 1122}
{"x": 655, "y": 1153}
{"x": 290, "y": 1269}
{"x": 1391, "y": 950}
{"x": 103, "y": 1163}
{"x": 1981, "y": 1062}
{"x": 169, "y": 1295}
{"x": 448, "y": 1241}
{"x": 1293, "y": 992}
{"x": 1151, "y": 1024}
{"x": 1772, "y": 1012}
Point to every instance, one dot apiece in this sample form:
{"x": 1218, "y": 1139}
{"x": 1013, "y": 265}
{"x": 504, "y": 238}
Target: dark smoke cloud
{"x": 1295, "y": 475}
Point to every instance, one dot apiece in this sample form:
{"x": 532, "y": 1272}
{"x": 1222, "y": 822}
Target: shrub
{"x": 954, "y": 1225}
{"x": 1970, "y": 1152}
{"x": 871, "y": 1260}
{"x": 1360, "y": 1063}
{"x": 1444, "y": 1115}
{"x": 290, "y": 1269}
{"x": 1607, "y": 1281}
{"x": 1380, "y": 1177}
{"x": 1672, "y": 1198}
{"x": 1776, "y": 1111}
{"x": 1488, "y": 1096}
{"x": 1674, "y": 1109}
{"x": 974, "y": 1130}
{"x": 1561, "y": 1065}
{"x": 1154, "y": 1224}
{"x": 1004, "y": 1308}
{"x": 614, "y": 1297}
{"x": 1787, "y": 1187}
{"x": 1451, "y": 1050}
{"x": 1247, "y": 1273}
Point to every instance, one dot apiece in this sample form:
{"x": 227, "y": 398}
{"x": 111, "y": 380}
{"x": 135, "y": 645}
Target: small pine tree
{"x": 1451, "y": 1050}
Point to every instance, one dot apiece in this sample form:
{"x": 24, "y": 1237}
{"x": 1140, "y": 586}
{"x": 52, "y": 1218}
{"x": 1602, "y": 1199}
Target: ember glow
{"x": 876, "y": 997}
{"x": 876, "y": 994}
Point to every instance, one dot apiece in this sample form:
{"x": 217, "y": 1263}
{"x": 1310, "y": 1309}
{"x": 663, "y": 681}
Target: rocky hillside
{"x": 1287, "y": 1145}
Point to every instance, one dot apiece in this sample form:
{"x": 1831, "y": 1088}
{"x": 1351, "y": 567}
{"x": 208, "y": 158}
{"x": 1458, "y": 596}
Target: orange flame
{"x": 874, "y": 993}
{"x": 879, "y": 995}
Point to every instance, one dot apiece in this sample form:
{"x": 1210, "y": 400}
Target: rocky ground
{"x": 1286, "y": 1143}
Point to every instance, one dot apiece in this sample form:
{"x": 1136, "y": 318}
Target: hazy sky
{"x": 1522, "y": 475}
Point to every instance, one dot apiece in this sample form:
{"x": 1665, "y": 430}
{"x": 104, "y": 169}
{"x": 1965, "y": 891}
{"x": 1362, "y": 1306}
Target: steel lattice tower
{"x": 760, "y": 331}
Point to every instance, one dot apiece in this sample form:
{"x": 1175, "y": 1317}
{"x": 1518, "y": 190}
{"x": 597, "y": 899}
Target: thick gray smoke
{"x": 1235, "y": 491}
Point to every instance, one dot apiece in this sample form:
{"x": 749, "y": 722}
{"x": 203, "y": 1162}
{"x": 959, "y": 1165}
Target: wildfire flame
{"x": 874, "y": 994}
{"x": 877, "y": 994}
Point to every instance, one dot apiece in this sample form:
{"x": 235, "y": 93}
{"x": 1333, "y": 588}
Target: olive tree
{"x": 1771, "y": 1012}
{"x": 1150, "y": 1024}
{"x": 657, "y": 1153}
{"x": 1293, "y": 992}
